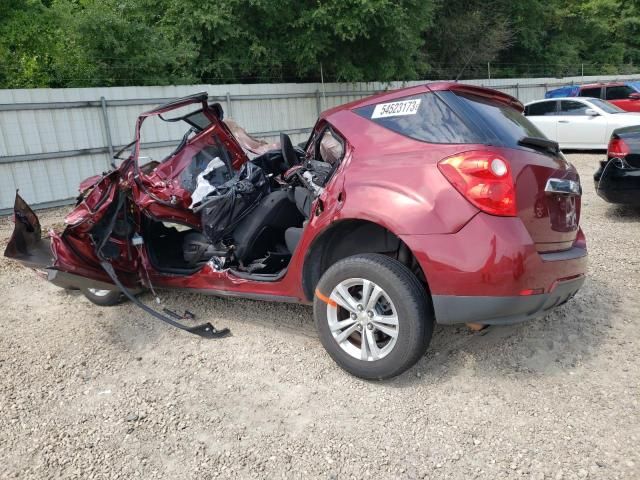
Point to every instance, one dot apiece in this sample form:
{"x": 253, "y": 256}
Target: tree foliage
{"x": 64, "y": 43}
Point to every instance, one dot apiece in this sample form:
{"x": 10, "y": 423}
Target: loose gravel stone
{"x": 90, "y": 392}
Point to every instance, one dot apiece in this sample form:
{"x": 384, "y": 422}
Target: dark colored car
{"x": 617, "y": 180}
{"x": 435, "y": 203}
{"x": 625, "y": 95}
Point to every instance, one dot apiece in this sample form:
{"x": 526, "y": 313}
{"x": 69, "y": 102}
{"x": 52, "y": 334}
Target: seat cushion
{"x": 292, "y": 237}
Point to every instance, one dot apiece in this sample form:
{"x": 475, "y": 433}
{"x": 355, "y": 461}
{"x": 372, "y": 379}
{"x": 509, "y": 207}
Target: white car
{"x": 577, "y": 122}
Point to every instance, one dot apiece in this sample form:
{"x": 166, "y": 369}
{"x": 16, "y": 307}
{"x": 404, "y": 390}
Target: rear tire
{"x": 373, "y": 316}
{"x": 104, "y": 298}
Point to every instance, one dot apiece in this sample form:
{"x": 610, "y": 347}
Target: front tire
{"x": 104, "y": 298}
{"x": 373, "y": 316}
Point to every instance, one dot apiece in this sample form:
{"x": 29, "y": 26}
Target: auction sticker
{"x": 396, "y": 109}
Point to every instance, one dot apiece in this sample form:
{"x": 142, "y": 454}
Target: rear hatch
{"x": 547, "y": 186}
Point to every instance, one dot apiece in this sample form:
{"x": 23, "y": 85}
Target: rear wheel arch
{"x": 350, "y": 237}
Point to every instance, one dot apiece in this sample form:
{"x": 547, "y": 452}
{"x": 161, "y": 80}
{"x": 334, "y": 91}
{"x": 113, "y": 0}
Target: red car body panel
{"x": 384, "y": 178}
{"x": 490, "y": 256}
{"x": 627, "y": 104}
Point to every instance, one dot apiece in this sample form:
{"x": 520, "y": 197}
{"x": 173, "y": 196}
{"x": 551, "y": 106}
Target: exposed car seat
{"x": 292, "y": 237}
{"x": 303, "y": 199}
{"x": 288, "y": 152}
{"x": 264, "y": 227}
{"x": 197, "y": 249}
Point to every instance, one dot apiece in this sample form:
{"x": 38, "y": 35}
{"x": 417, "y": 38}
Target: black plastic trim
{"x": 452, "y": 309}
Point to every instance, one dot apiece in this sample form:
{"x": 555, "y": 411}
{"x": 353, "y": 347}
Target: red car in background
{"x": 435, "y": 203}
{"x": 625, "y": 95}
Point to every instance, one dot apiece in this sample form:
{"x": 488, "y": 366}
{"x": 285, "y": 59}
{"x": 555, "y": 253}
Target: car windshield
{"x": 606, "y": 106}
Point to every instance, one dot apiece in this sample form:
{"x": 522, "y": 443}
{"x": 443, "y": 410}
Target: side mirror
{"x": 635, "y": 96}
{"x": 591, "y": 112}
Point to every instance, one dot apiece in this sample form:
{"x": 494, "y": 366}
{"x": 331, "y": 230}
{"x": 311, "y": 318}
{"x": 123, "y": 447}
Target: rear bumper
{"x": 487, "y": 272}
{"x": 451, "y": 309}
{"x": 618, "y": 185}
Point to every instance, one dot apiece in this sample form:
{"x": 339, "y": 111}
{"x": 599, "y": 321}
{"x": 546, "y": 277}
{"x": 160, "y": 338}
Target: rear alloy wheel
{"x": 104, "y": 298}
{"x": 372, "y": 316}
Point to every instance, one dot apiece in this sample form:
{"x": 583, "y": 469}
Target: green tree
{"x": 65, "y": 43}
{"x": 35, "y": 48}
{"x": 465, "y": 36}
{"x": 289, "y": 39}
{"x": 127, "y": 43}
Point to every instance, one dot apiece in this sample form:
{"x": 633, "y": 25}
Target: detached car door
{"x": 576, "y": 129}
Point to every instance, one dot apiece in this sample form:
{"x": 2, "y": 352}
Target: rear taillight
{"x": 617, "y": 148}
{"x": 484, "y": 178}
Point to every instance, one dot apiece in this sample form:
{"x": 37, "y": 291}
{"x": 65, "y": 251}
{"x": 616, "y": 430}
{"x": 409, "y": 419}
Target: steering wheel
{"x": 288, "y": 152}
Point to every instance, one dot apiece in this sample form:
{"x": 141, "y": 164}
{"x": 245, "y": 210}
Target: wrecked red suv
{"x": 436, "y": 203}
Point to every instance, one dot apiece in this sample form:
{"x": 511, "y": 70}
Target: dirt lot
{"x": 91, "y": 392}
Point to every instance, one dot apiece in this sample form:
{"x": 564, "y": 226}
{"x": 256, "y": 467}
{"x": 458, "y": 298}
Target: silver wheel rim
{"x": 365, "y": 321}
{"x": 99, "y": 293}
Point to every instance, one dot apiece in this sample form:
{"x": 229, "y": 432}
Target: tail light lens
{"x": 617, "y": 148}
{"x": 483, "y": 178}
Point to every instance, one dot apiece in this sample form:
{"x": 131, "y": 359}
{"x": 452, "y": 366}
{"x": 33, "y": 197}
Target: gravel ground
{"x": 89, "y": 392}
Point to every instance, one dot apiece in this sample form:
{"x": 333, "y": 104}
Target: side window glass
{"x": 331, "y": 148}
{"x": 619, "y": 92}
{"x": 541, "y": 109}
{"x": 591, "y": 92}
{"x": 569, "y": 107}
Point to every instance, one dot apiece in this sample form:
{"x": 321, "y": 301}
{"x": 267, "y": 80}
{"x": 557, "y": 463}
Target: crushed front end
{"x": 50, "y": 256}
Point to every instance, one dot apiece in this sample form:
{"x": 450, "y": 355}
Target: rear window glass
{"x": 540, "y": 109}
{"x": 422, "y": 117}
{"x": 506, "y": 123}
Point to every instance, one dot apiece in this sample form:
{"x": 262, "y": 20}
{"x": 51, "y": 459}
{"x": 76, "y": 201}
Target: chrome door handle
{"x": 563, "y": 121}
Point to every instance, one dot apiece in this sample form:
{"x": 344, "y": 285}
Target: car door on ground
{"x": 543, "y": 116}
{"x": 577, "y": 129}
